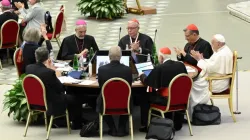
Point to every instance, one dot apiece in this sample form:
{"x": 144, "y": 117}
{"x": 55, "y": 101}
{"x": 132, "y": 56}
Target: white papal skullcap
{"x": 220, "y": 38}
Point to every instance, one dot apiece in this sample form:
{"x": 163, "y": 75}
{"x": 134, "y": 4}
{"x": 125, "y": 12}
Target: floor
{"x": 211, "y": 17}
{"x": 11, "y": 130}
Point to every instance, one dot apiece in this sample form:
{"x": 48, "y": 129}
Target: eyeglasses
{"x": 131, "y": 28}
{"x": 188, "y": 35}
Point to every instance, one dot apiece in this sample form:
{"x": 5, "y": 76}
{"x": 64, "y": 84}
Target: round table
{"x": 191, "y": 74}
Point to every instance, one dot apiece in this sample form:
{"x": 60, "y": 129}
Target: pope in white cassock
{"x": 219, "y": 64}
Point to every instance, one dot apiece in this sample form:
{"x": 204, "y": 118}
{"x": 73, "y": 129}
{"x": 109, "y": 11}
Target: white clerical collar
{"x": 166, "y": 60}
{"x": 135, "y": 38}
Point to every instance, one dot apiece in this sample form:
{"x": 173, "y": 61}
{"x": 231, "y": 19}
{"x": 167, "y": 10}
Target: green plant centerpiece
{"x": 155, "y": 55}
{"x": 102, "y": 9}
{"x": 15, "y": 102}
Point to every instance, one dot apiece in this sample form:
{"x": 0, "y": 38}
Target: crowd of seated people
{"x": 214, "y": 59}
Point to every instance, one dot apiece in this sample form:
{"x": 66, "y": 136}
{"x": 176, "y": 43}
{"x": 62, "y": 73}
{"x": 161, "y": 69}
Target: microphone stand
{"x": 155, "y": 35}
{"x": 237, "y": 94}
{"x": 120, "y": 34}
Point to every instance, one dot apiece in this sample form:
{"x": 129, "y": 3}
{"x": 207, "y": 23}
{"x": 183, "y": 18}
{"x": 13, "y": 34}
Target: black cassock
{"x": 160, "y": 77}
{"x": 146, "y": 44}
{"x": 200, "y": 45}
{"x": 70, "y": 47}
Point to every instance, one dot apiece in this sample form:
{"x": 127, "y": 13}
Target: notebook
{"x": 147, "y": 72}
{"x": 75, "y": 74}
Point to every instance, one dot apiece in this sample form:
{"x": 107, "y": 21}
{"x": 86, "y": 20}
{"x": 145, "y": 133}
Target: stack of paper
{"x": 67, "y": 79}
{"x": 65, "y": 69}
{"x": 87, "y": 82}
{"x": 59, "y": 65}
{"x": 190, "y": 69}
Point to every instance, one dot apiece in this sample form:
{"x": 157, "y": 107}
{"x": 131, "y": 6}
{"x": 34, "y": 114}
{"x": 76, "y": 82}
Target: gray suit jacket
{"x": 34, "y": 16}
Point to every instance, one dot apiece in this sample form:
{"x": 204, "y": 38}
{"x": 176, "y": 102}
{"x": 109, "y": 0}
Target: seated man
{"x": 6, "y": 15}
{"x": 106, "y": 72}
{"x": 219, "y": 64}
{"x": 196, "y": 43}
{"x": 159, "y": 78}
{"x": 57, "y": 100}
{"x": 77, "y": 44}
{"x": 140, "y": 44}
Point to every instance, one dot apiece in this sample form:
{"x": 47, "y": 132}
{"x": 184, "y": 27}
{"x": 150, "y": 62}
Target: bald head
{"x": 115, "y": 53}
{"x": 218, "y": 41}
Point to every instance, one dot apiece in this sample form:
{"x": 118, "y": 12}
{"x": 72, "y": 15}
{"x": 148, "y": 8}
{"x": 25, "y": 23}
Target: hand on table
{"x": 58, "y": 73}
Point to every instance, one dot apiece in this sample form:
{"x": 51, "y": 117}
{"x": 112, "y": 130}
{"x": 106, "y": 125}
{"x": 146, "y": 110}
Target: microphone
{"x": 155, "y": 35}
{"x": 120, "y": 30}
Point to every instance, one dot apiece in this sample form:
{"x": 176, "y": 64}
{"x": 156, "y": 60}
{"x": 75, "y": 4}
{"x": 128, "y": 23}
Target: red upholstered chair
{"x": 9, "y": 35}
{"x": 57, "y": 28}
{"x": 18, "y": 61}
{"x": 35, "y": 94}
{"x": 62, "y": 8}
{"x": 116, "y": 94}
{"x": 228, "y": 93}
{"x": 178, "y": 98}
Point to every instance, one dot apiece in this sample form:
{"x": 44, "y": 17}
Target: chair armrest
{"x": 210, "y": 78}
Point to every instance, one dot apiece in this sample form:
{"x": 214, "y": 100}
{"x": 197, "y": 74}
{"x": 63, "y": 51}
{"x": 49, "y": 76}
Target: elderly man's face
{"x": 81, "y": 32}
{"x": 215, "y": 44}
{"x": 32, "y": 2}
{"x": 160, "y": 59}
{"x": 190, "y": 37}
{"x": 132, "y": 29}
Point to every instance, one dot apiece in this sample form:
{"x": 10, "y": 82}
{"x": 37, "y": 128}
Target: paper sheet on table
{"x": 67, "y": 79}
{"x": 65, "y": 69}
{"x": 87, "y": 82}
{"x": 59, "y": 65}
{"x": 190, "y": 69}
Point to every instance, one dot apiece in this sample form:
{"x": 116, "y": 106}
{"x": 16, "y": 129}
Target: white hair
{"x": 219, "y": 38}
{"x": 115, "y": 53}
{"x": 165, "y": 56}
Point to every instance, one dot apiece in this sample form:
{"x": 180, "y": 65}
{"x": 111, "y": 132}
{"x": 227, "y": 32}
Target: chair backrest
{"x": 116, "y": 94}
{"x": 179, "y": 91}
{"x": 18, "y": 61}
{"x": 58, "y": 24}
{"x": 34, "y": 91}
{"x": 62, "y": 8}
{"x": 9, "y": 34}
{"x": 235, "y": 56}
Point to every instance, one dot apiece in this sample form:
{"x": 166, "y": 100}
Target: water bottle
{"x": 127, "y": 47}
{"x": 149, "y": 58}
{"x": 90, "y": 69}
{"x": 75, "y": 63}
{"x": 81, "y": 61}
